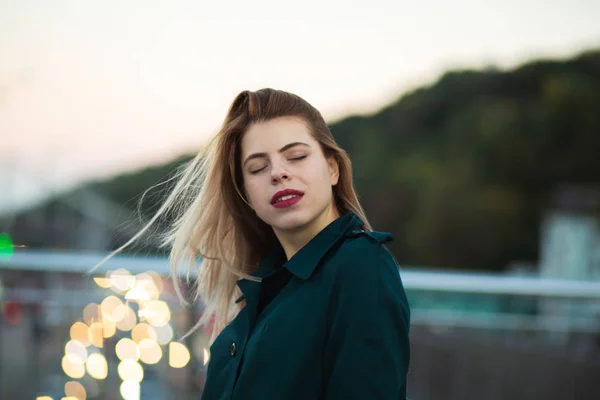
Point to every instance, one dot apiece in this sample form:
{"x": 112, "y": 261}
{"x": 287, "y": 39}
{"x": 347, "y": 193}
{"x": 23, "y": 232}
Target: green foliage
{"x": 474, "y": 159}
{"x": 461, "y": 171}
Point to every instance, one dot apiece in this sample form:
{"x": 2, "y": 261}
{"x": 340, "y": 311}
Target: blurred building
{"x": 80, "y": 220}
{"x": 570, "y": 243}
{"x": 570, "y": 249}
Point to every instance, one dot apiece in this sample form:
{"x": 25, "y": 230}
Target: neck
{"x": 293, "y": 241}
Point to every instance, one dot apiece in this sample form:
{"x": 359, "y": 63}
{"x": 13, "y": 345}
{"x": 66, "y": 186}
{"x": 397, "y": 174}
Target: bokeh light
{"x": 179, "y": 355}
{"x": 44, "y": 398}
{"x": 150, "y": 352}
{"x": 199, "y": 346}
{"x": 130, "y": 390}
{"x": 164, "y": 334}
{"x": 158, "y": 280}
{"x": 129, "y": 319}
{"x": 76, "y": 390}
{"x": 6, "y": 247}
{"x": 96, "y": 366}
{"x": 137, "y": 294}
{"x": 156, "y": 312}
{"x": 91, "y": 313}
{"x": 109, "y": 328}
{"x": 122, "y": 280}
{"x": 79, "y": 332}
{"x": 73, "y": 366}
{"x": 76, "y": 349}
{"x": 102, "y": 320}
{"x": 95, "y": 334}
{"x": 111, "y": 310}
{"x": 103, "y": 282}
{"x": 127, "y": 349}
{"x": 206, "y": 357}
{"x": 130, "y": 370}
{"x": 12, "y": 312}
{"x": 143, "y": 331}
{"x": 145, "y": 288}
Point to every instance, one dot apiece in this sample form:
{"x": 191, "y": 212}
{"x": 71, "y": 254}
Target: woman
{"x": 308, "y": 302}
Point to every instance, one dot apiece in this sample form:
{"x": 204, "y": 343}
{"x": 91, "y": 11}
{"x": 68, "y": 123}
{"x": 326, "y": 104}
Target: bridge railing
{"x": 517, "y": 322}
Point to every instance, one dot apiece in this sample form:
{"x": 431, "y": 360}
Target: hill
{"x": 461, "y": 171}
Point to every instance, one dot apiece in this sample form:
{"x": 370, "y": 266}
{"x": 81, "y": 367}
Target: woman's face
{"x": 280, "y": 155}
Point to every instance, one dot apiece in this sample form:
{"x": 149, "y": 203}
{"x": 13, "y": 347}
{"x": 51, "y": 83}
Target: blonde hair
{"x": 213, "y": 220}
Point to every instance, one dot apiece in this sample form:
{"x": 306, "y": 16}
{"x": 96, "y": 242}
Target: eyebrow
{"x": 281, "y": 150}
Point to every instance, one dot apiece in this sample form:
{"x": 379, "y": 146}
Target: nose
{"x": 279, "y": 173}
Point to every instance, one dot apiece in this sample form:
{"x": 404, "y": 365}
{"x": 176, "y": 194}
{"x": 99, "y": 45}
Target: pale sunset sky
{"x": 91, "y": 88}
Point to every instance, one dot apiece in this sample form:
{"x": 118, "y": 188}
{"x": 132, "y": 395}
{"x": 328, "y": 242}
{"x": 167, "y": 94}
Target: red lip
{"x": 285, "y": 192}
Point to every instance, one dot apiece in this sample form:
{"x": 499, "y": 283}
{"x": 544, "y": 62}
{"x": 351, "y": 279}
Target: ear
{"x": 334, "y": 170}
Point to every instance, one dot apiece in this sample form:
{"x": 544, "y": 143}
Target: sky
{"x": 90, "y": 89}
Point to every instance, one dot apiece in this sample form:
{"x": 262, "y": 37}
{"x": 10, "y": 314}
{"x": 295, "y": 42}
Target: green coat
{"x": 338, "y": 329}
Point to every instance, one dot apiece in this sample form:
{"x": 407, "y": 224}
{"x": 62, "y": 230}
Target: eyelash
{"x": 291, "y": 159}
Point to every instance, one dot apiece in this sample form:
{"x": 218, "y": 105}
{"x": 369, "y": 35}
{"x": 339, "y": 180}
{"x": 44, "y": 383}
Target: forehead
{"x": 272, "y": 135}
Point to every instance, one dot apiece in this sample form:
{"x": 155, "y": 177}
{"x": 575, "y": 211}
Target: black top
{"x": 271, "y": 286}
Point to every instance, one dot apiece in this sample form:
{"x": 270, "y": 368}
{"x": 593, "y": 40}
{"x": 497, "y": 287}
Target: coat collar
{"x": 305, "y": 261}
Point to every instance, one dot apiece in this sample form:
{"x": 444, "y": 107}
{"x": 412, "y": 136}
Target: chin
{"x": 290, "y": 220}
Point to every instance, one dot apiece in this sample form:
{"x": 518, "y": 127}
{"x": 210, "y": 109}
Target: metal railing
{"x": 413, "y": 278}
{"x": 518, "y": 324}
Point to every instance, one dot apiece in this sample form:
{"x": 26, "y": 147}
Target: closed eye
{"x": 256, "y": 171}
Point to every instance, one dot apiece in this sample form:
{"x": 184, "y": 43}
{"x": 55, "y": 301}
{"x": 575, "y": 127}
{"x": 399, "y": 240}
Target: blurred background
{"x": 474, "y": 131}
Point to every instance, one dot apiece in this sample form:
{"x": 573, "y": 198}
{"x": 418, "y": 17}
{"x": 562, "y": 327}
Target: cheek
{"x": 252, "y": 191}
{"x": 324, "y": 174}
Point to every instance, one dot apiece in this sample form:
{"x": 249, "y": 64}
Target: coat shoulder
{"x": 364, "y": 256}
